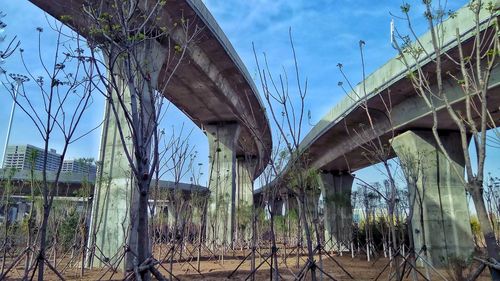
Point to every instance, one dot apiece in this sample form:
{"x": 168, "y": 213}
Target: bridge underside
{"x": 211, "y": 86}
{"x": 344, "y": 142}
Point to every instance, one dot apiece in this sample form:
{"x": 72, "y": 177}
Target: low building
{"x": 80, "y": 166}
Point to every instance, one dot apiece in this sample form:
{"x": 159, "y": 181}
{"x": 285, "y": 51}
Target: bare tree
{"x": 374, "y": 148}
{"x": 492, "y": 198}
{"x": 179, "y": 165}
{"x": 12, "y": 45}
{"x": 136, "y": 72}
{"x": 65, "y": 96}
{"x": 471, "y": 71}
{"x": 288, "y": 113}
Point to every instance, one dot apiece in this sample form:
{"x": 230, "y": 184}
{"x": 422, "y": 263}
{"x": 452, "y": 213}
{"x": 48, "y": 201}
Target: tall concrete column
{"x": 277, "y": 207}
{"x": 22, "y": 208}
{"x": 291, "y": 204}
{"x": 441, "y": 216}
{"x": 114, "y": 209}
{"x": 244, "y": 195}
{"x": 312, "y": 202}
{"x": 336, "y": 189}
{"x": 171, "y": 218}
{"x": 221, "y": 211}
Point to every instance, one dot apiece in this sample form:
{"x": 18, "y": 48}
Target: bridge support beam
{"x": 336, "y": 189}
{"x": 114, "y": 225}
{"x": 171, "y": 219}
{"x": 312, "y": 202}
{"x": 22, "y": 209}
{"x": 440, "y": 212}
{"x": 277, "y": 207}
{"x": 289, "y": 203}
{"x": 244, "y": 196}
{"x": 221, "y": 211}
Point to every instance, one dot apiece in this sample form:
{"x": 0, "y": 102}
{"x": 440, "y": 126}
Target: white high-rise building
{"x": 22, "y": 157}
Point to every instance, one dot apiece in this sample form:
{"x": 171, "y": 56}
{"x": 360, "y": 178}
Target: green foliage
{"x": 280, "y": 224}
{"x": 244, "y": 213}
{"x": 411, "y": 75}
{"x": 475, "y": 226}
{"x": 377, "y": 225}
{"x": 68, "y": 228}
{"x": 490, "y": 7}
{"x": 24, "y": 225}
{"x": 137, "y": 37}
{"x": 293, "y": 215}
{"x": 492, "y": 52}
{"x": 65, "y": 18}
{"x": 94, "y": 32}
{"x": 405, "y": 8}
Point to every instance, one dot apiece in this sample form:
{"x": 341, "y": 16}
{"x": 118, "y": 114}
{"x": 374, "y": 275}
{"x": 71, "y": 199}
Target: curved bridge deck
{"x": 212, "y": 86}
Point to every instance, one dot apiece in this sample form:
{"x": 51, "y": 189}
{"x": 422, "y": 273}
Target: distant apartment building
{"x": 22, "y": 157}
{"x": 80, "y": 166}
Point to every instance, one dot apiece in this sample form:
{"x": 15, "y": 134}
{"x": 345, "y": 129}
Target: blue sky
{"x": 325, "y": 32}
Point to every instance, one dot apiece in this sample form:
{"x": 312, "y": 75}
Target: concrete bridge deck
{"x": 214, "y": 89}
{"x": 339, "y": 144}
{"x": 333, "y": 145}
{"x": 335, "y": 142}
{"x": 212, "y": 86}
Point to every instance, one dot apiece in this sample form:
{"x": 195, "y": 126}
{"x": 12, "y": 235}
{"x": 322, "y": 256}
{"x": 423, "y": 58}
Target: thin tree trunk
{"x": 489, "y": 236}
{"x": 299, "y": 241}
{"x": 43, "y": 242}
{"x": 142, "y": 229}
{"x": 254, "y": 240}
{"x": 27, "y": 262}
{"x": 6, "y": 233}
{"x": 308, "y": 234}
{"x": 275, "y": 275}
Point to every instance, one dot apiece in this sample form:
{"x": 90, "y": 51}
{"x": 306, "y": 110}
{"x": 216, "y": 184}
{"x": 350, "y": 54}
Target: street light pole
{"x": 19, "y": 79}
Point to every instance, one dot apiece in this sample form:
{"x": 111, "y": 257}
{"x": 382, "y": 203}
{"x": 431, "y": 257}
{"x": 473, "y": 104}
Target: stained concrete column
{"x": 336, "y": 188}
{"x": 436, "y": 188}
{"x": 114, "y": 210}
{"x": 312, "y": 202}
{"x": 291, "y": 204}
{"x": 221, "y": 209}
{"x": 277, "y": 207}
{"x": 311, "y": 212}
{"x": 22, "y": 209}
{"x": 244, "y": 195}
{"x": 171, "y": 218}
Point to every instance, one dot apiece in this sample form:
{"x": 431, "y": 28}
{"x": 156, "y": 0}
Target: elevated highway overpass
{"x": 214, "y": 89}
{"x": 340, "y": 143}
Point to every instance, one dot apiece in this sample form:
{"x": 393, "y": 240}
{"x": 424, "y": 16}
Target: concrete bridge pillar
{"x": 291, "y": 204}
{"x": 336, "y": 189}
{"x": 312, "y": 202}
{"x": 441, "y": 219}
{"x": 114, "y": 210}
{"x": 22, "y": 209}
{"x": 277, "y": 207}
{"x": 170, "y": 208}
{"x": 221, "y": 209}
{"x": 312, "y": 195}
{"x": 244, "y": 196}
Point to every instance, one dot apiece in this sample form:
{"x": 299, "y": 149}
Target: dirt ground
{"x": 218, "y": 269}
